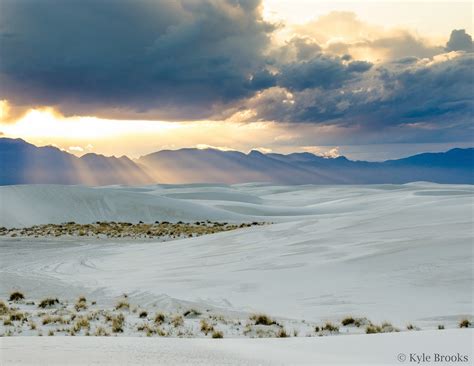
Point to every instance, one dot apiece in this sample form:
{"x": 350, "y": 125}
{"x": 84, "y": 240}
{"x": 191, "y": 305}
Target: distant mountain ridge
{"x": 24, "y": 163}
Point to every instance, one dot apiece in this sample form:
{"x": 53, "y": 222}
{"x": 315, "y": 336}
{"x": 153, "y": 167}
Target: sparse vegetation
{"x": 125, "y": 229}
{"x": 16, "y": 296}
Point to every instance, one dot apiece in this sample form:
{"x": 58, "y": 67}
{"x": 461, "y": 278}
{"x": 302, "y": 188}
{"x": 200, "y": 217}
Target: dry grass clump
{"x": 4, "y": 309}
{"x": 7, "y": 322}
{"x": 384, "y": 328}
{"x": 330, "y": 327}
{"x": 17, "y": 316}
{"x": 16, "y": 296}
{"x": 81, "y": 304}
{"x": 177, "y": 321}
{"x": 160, "y": 318}
{"x": 282, "y": 333}
{"x": 118, "y": 323}
{"x": 142, "y": 314}
{"x": 101, "y": 332}
{"x": 465, "y": 323}
{"x": 217, "y": 334}
{"x": 262, "y": 319}
{"x": 81, "y": 323}
{"x": 410, "y": 327}
{"x": 122, "y": 305}
{"x": 348, "y": 321}
{"x": 48, "y": 319}
{"x": 357, "y": 322}
{"x": 206, "y": 327}
{"x": 48, "y": 302}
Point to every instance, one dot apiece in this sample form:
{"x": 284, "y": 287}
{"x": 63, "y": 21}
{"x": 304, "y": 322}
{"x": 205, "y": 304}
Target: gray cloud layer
{"x": 194, "y": 59}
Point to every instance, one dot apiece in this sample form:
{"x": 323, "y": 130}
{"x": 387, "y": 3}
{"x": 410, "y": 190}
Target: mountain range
{"x": 24, "y": 163}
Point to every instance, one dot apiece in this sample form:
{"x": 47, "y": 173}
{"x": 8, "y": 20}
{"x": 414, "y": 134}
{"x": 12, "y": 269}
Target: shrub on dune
{"x": 465, "y": 323}
{"x": 217, "y": 334}
{"x": 48, "y": 302}
{"x": 262, "y": 319}
{"x": 16, "y": 296}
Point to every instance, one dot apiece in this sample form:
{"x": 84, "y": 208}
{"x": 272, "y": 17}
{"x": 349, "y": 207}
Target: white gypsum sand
{"x": 397, "y": 253}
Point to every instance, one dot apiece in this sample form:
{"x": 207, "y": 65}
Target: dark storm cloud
{"x": 320, "y": 72}
{"x": 180, "y": 56}
{"x": 431, "y": 102}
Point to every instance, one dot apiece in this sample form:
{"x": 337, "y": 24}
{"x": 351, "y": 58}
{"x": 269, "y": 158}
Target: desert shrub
{"x": 54, "y": 319}
{"x": 122, "y": 305}
{"x": 348, "y": 321}
{"x": 440, "y": 327}
{"x": 282, "y": 333}
{"x": 48, "y": 302}
{"x": 371, "y": 329}
{"x": 316, "y": 329}
{"x": 7, "y": 322}
{"x": 262, "y": 319}
{"x": 51, "y": 333}
{"x": 81, "y": 304}
{"x": 117, "y": 323}
{"x": 217, "y": 334}
{"x": 410, "y": 327}
{"x": 330, "y": 327}
{"x": 101, "y": 332}
{"x": 16, "y": 296}
{"x": 81, "y": 323}
{"x": 17, "y": 316}
{"x": 465, "y": 323}
{"x": 177, "y": 321}
{"x": 143, "y": 314}
{"x": 32, "y": 325}
{"x": 206, "y": 327}
{"x": 191, "y": 313}
{"x": 160, "y": 318}
{"x": 4, "y": 309}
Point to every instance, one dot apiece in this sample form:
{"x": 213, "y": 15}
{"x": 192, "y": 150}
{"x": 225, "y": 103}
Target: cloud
{"x": 341, "y": 32}
{"x": 176, "y": 59}
{"x": 419, "y": 100}
{"x": 218, "y": 59}
{"x": 460, "y": 41}
{"x": 320, "y": 72}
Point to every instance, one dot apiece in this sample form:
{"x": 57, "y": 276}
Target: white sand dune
{"x": 401, "y": 253}
{"x": 378, "y": 349}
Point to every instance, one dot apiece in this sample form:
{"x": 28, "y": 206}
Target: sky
{"x": 371, "y": 80}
